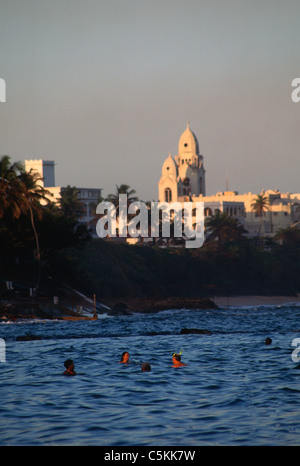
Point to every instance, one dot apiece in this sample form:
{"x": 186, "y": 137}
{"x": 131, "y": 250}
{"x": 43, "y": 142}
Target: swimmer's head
{"x": 68, "y": 363}
{"x": 146, "y": 367}
{"x": 177, "y": 356}
{"x": 125, "y": 356}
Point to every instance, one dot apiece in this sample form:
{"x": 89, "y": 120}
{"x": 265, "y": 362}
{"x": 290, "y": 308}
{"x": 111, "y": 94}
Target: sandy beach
{"x": 254, "y": 300}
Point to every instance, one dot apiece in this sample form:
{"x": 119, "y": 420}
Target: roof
{"x": 188, "y": 143}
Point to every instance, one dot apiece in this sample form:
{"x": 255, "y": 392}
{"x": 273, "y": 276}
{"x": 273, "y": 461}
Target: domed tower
{"x": 167, "y": 186}
{"x": 191, "y": 173}
{"x": 184, "y": 175}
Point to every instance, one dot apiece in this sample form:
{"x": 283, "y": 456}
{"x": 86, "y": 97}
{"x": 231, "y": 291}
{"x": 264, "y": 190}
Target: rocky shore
{"x": 34, "y": 308}
{"x": 148, "y": 305}
{"x": 80, "y": 307}
{"x": 74, "y": 305}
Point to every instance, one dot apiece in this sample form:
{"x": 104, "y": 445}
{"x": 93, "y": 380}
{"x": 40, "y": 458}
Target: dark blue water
{"x": 235, "y": 390}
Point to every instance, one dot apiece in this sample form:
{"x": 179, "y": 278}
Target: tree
{"x": 20, "y": 193}
{"x": 9, "y": 171}
{"x": 70, "y": 204}
{"x": 114, "y": 199}
{"x": 31, "y": 194}
{"x": 9, "y": 198}
{"x": 259, "y": 206}
{"x": 289, "y": 236}
{"x": 223, "y": 228}
{"x": 122, "y": 189}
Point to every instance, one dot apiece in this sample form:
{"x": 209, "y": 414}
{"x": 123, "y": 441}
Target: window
{"x": 207, "y": 212}
{"x": 168, "y": 195}
{"x": 186, "y": 181}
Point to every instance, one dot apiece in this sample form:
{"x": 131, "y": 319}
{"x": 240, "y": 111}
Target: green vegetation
{"x": 32, "y": 228}
{"x": 259, "y": 206}
{"x": 46, "y": 246}
{"x": 235, "y": 267}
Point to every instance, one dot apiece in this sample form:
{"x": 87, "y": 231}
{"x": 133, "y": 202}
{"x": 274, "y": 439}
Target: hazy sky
{"x": 105, "y": 88}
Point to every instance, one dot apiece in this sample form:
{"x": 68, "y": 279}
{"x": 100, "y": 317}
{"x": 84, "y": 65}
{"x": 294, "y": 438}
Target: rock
{"x": 198, "y": 331}
{"x": 120, "y": 309}
{"x": 28, "y": 338}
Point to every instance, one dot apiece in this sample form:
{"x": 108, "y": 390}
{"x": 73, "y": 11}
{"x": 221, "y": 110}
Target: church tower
{"x": 183, "y": 176}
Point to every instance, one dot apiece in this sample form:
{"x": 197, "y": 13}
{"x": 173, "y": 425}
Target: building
{"x": 183, "y": 179}
{"x": 89, "y": 197}
{"x": 46, "y": 171}
{"x": 183, "y": 176}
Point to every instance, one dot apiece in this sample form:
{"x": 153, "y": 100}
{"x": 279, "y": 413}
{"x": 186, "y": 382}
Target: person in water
{"x": 124, "y": 358}
{"x": 177, "y": 360}
{"x": 146, "y": 367}
{"x": 69, "y": 365}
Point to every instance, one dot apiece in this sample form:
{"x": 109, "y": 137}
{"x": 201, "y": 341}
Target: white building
{"x": 183, "y": 179}
{"x": 184, "y": 175}
{"x": 46, "y": 170}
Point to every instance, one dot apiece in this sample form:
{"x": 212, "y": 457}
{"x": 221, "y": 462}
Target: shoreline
{"x": 24, "y": 309}
{"x": 255, "y": 300}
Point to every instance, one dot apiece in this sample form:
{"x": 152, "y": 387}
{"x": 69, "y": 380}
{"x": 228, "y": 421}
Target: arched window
{"x": 168, "y": 195}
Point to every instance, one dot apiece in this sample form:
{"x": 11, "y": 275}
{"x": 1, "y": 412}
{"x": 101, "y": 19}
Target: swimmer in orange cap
{"x": 177, "y": 360}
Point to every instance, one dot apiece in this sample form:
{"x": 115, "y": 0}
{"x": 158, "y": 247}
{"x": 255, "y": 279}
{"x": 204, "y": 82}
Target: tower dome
{"x": 169, "y": 167}
{"x": 188, "y": 143}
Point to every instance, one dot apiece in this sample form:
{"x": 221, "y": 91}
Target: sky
{"x": 105, "y": 89}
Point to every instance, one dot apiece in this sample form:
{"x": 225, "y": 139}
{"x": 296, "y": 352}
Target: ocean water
{"x": 235, "y": 390}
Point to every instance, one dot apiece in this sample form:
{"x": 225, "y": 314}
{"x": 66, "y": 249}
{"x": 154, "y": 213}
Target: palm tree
{"x": 9, "y": 171}
{"x": 223, "y": 228}
{"x": 20, "y": 193}
{"x": 259, "y": 206}
{"x": 114, "y": 199}
{"x": 122, "y": 189}
{"x": 31, "y": 194}
{"x": 70, "y": 204}
{"x": 9, "y": 198}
